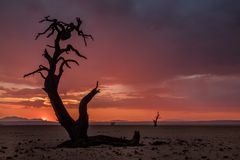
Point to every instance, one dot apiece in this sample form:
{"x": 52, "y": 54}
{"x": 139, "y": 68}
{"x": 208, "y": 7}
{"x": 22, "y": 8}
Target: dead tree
{"x": 156, "y": 119}
{"x": 57, "y": 62}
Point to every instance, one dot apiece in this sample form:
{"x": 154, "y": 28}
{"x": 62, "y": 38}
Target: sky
{"x": 180, "y": 58}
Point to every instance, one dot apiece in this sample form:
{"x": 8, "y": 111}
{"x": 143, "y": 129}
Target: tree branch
{"x": 90, "y": 95}
{"x": 42, "y": 75}
{"x": 42, "y": 33}
{"x": 51, "y": 33}
{"x": 157, "y": 116}
{"x": 65, "y": 62}
{"x": 85, "y": 36}
{"x": 80, "y": 32}
{"x": 43, "y": 67}
{"x": 46, "y": 19}
{"x": 50, "y": 46}
{"x": 47, "y": 56}
{"x": 83, "y": 120}
{"x": 39, "y": 70}
{"x": 54, "y": 26}
{"x": 71, "y": 48}
{"x": 79, "y": 22}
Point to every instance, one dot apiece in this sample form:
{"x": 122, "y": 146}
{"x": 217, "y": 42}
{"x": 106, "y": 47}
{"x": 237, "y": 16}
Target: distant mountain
{"x": 13, "y": 120}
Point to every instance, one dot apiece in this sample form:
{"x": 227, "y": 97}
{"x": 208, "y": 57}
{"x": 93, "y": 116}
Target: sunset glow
{"x": 44, "y": 118}
{"x": 180, "y": 61}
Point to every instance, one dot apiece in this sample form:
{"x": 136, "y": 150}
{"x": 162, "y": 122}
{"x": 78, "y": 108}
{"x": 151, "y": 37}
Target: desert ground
{"x": 162, "y": 142}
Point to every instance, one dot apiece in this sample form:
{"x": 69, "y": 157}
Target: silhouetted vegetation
{"x": 77, "y": 130}
{"x": 155, "y": 121}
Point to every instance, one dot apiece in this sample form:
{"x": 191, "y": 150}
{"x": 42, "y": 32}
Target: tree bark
{"x": 83, "y": 121}
{"x": 102, "y": 139}
{"x": 77, "y": 130}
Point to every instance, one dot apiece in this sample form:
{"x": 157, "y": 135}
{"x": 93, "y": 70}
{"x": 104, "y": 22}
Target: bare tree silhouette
{"x": 156, "y": 119}
{"x": 77, "y": 130}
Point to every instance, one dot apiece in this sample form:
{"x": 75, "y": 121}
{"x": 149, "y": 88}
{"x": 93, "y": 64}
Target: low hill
{"x": 13, "y": 120}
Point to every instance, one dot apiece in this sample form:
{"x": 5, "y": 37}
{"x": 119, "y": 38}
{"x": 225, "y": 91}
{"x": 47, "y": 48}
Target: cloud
{"x": 118, "y": 92}
{"x": 168, "y": 55}
{"x": 17, "y": 86}
{"x": 157, "y": 39}
{"x": 22, "y": 94}
{"x": 164, "y": 95}
{"x": 210, "y": 92}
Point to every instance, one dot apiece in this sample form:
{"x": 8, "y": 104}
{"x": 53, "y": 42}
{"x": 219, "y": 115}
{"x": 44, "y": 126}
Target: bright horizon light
{"x": 44, "y": 118}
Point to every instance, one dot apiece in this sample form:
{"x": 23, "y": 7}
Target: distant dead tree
{"x": 156, "y": 119}
{"x": 57, "y": 62}
{"x": 112, "y": 123}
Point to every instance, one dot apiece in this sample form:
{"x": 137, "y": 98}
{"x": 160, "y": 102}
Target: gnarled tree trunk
{"x": 77, "y": 130}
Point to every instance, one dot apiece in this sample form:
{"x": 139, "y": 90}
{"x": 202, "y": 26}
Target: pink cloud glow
{"x": 179, "y": 59}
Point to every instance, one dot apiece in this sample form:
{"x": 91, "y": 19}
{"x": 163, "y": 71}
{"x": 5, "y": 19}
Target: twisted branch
{"x": 71, "y": 48}
{"x": 39, "y": 70}
{"x": 65, "y": 62}
{"x": 55, "y": 26}
{"x": 46, "y": 19}
{"x": 86, "y": 99}
{"x": 47, "y": 56}
{"x": 85, "y": 36}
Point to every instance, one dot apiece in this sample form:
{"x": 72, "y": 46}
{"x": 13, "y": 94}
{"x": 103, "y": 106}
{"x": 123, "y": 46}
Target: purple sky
{"x": 179, "y": 57}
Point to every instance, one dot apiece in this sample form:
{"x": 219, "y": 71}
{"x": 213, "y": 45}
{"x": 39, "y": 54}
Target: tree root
{"x": 101, "y": 140}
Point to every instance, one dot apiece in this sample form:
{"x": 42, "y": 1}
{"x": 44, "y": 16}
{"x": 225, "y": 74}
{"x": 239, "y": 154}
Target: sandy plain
{"x": 162, "y": 142}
